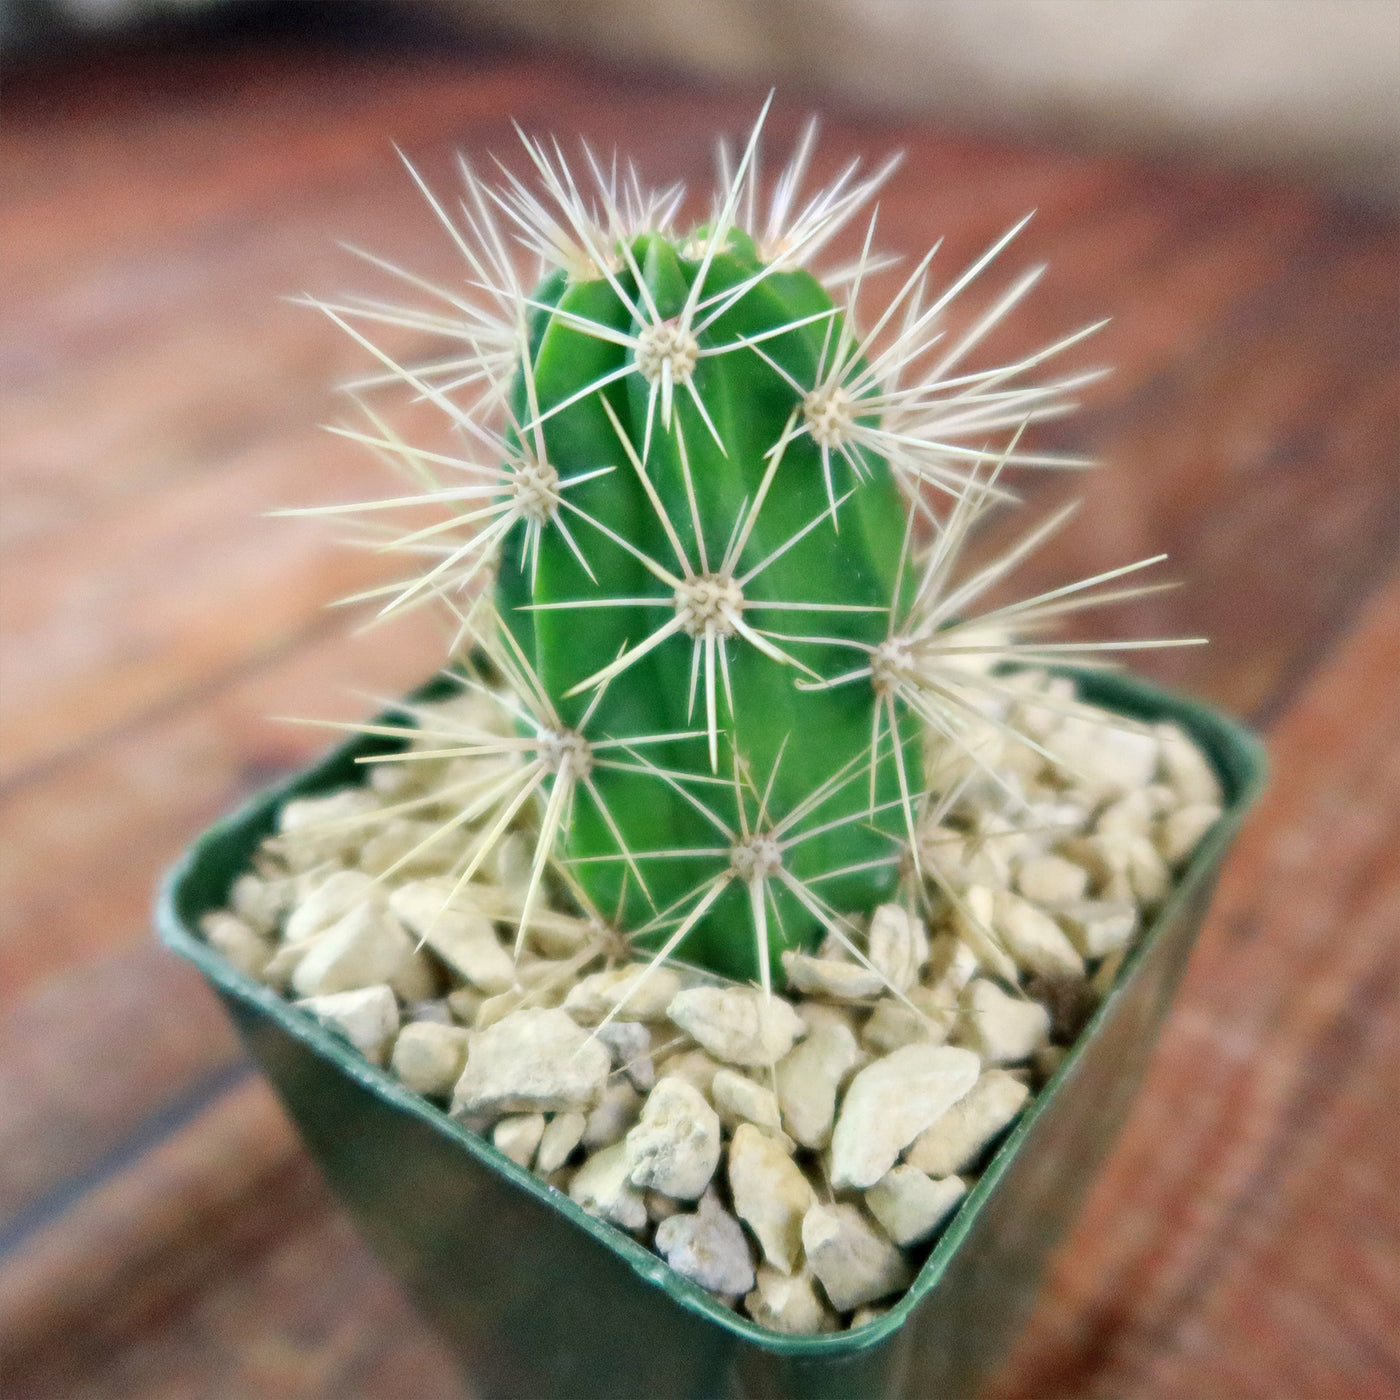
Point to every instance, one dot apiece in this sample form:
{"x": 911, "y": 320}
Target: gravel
{"x": 794, "y": 1153}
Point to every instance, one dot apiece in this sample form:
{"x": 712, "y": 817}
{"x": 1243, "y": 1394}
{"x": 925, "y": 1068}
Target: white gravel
{"x": 711, "y": 1121}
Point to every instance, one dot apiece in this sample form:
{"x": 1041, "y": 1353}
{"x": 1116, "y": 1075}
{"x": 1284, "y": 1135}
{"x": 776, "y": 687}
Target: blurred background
{"x": 1305, "y": 85}
{"x": 1220, "y": 178}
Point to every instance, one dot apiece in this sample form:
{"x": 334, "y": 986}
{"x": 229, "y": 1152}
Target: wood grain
{"x": 161, "y": 1232}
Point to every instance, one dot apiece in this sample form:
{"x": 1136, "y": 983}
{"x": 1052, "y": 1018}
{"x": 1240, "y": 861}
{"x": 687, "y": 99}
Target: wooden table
{"x": 164, "y": 1233}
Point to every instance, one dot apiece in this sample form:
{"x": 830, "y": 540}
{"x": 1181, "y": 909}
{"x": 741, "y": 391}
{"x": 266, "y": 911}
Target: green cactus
{"x": 722, "y": 503}
{"x": 723, "y": 590}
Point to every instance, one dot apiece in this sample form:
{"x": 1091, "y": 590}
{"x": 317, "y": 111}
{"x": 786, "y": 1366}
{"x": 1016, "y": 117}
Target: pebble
{"x": 738, "y": 1099}
{"x": 808, "y": 1079}
{"x": 829, "y": 1013}
{"x": 365, "y": 947}
{"x": 789, "y": 1303}
{"x": 518, "y": 1137}
{"x": 367, "y": 1017}
{"x": 987, "y": 863}
{"x": 955, "y": 1141}
{"x": 1134, "y": 813}
{"x": 973, "y": 923}
{"x": 240, "y": 944}
{"x": 461, "y": 937}
{"x": 261, "y": 904}
{"x": 496, "y": 1008}
{"x": 1137, "y": 871}
{"x": 316, "y": 829}
{"x": 1099, "y": 927}
{"x": 601, "y": 1187}
{"x": 1002, "y": 1029}
{"x": 675, "y": 1146}
{"x": 562, "y": 1134}
{"x": 695, "y": 1067}
{"x": 1104, "y": 757}
{"x": 853, "y": 1261}
{"x": 511, "y": 863}
{"x": 1041, "y": 720}
{"x": 543, "y": 981}
{"x": 465, "y": 1003}
{"x": 951, "y": 963}
{"x": 1052, "y": 879}
{"x": 429, "y": 1057}
{"x": 997, "y": 833}
{"x": 708, "y": 1248}
{"x": 277, "y": 971}
{"x": 532, "y": 1061}
{"x": 831, "y": 977}
{"x": 739, "y": 1025}
{"x": 559, "y": 935}
{"x": 910, "y": 1205}
{"x": 1186, "y": 770}
{"x": 941, "y": 849}
{"x": 303, "y": 814}
{"x": 1033, "y": 938}
{"x": 771, "y": 1194}
{"x": 898, "y": 946}
{"x": 1031, "y": 895}
{"x": 615, "y": 1113}
{"x": 407, "y": 847}
{"x": 643, "y": 994}
{"x": 864, "y": 1316}
{"x": 417, "y": 981}
{"x": 629, "y": 1046}
{"x": 1180, "y": 832}
{"x": 430, "y": 1009}
{"x": 890, "y": 1103}
{"x": 925, "y": 1018}
{"x": 328, "y": 903}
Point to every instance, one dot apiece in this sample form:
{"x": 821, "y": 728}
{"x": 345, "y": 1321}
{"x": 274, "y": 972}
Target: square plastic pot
{"x": 539, "y": 1299}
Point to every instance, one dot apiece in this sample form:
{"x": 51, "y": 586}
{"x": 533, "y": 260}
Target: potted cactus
{"x": 745, "y": 875}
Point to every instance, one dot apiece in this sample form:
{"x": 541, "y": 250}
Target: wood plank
{"x": 112, "y": 819}
{"x": 254, "y": 134}
{"x": 218, "y": 1267}
{"x": 96, "y": 1064}
{"x": 1234, "y": 1243}
{"x": 178, "y": 590}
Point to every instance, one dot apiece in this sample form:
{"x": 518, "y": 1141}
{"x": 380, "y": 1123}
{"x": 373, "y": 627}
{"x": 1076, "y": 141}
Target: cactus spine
{"x": 702, "y": 495}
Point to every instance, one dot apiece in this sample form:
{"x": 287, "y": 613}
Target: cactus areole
{"x": 719, "y": 561}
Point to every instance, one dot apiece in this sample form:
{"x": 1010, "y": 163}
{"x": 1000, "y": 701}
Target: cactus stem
{"x": 708, "y": 604}
{"x": 630, "y": 322}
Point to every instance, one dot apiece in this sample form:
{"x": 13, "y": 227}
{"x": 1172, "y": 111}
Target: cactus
{"x": 705, "y": 529}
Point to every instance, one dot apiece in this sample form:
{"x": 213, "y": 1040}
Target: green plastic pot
{"x": 539, "y": 1299}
